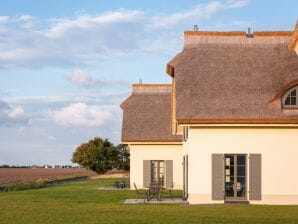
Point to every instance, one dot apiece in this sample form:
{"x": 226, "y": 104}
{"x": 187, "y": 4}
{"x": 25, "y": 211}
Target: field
{"x": 25, "y": 175}
{"x": 80, "y": 202}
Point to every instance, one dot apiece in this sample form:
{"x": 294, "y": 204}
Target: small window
{"x": 290, "y": 99}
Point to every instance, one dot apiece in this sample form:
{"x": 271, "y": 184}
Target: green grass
{"x": 80, "y": 202}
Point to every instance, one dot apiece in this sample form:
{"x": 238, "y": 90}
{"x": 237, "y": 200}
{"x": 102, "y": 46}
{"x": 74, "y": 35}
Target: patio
{"x": 155, "y": 201}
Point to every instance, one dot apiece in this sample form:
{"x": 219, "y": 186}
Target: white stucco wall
{"x": 279, "y": 149}
{"x": 138, "y": 153}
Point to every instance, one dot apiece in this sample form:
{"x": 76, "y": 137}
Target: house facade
{"x": 226, "y": 129}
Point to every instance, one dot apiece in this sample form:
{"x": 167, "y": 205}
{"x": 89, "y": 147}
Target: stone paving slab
{"x": 112, "y": 189}
{"x": 155, "y": 201}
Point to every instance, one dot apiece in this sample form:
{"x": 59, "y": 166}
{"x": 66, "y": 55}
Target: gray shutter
{"x": 146, "y": 173}
{"x": 217, "y": 177}
{"x": 184, "y": 192}
{"x": 186, "y": 176}
{"x": 169, "y": 173}
{"x": 255, "y": 170}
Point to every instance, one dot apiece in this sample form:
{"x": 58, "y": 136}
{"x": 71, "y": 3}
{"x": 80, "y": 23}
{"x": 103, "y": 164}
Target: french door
{"x": 235, "y": 177}
{"x": 158, "y": 172}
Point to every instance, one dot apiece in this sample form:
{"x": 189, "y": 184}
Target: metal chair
{"x": 139, "y": 192}
{"x": 154, "y": 191}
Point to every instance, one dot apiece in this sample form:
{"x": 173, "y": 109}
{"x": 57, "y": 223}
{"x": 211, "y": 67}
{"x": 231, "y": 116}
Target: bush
{"x": 23, "y": 186}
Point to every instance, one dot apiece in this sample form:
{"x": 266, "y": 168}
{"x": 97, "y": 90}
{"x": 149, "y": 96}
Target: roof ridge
{"x": 152, "y": 85}
{"x": 239, "y": 33}
{"x": 216, "y": 33}
{"x": 151, "y": 88}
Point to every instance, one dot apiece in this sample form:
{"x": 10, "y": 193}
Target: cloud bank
{"x": 88, "y": 40}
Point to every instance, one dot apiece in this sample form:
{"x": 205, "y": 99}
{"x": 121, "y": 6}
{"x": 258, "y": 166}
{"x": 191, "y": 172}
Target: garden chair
{"x": 154, "y": 191}
{"x": 139, "y": 192}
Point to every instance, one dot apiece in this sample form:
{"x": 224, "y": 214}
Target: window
{"x": 158, "y": 172}
{"x": 290, "y": 99}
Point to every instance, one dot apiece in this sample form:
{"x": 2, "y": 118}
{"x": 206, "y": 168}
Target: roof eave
{"x": 127, "y": 141}
{"x": 249, "y": 121}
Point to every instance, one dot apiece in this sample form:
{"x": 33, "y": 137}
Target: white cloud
{"x": 81, "y": 114}
{"x": 3, "y": 19}
{"x": 16, "y": 113}
{"x": 197, "y": 14}
{"x": 11, "y": 116}
{"x": 84, "y": 40}
{"x": 62, "y": 27}
{"x": 237, "y": 3}
{"x": 81, "y": 78}
{"x": 84, "y": 79}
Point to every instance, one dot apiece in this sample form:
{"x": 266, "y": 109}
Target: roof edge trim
{"x": 158, "y": 140}
{"x": 238, "y": 121}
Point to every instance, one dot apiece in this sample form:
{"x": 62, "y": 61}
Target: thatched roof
{"x": 147, "y": 115}
{"x": 227, "y": 77}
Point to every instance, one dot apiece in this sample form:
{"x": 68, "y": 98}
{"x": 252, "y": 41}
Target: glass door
{"x": 158, "y": 172}
{"x": 235, "y": 177}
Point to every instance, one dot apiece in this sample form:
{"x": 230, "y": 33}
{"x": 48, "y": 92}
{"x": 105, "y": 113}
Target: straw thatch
{"x": 234, "y": 79}
{"x": 147, "y": 115}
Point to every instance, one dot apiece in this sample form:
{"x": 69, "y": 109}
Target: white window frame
{"x": 286, "y": 95}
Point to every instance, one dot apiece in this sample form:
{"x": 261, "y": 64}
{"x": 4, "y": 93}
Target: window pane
{"x": 240, "y": 171}
{"x": 161, "y": 170}
{"x": 288, "y": 101}
{"x": 161, "y": 164}
{"x": 293, "y": 93}
{"x": 293, "y": 101}
{"x": 241, "y": 160}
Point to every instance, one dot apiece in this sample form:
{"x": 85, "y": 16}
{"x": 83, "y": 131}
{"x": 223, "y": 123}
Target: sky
{"x": 66, "y": 65}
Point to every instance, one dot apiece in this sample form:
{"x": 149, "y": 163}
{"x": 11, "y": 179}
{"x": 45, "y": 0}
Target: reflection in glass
{"x": 235, "y": 174}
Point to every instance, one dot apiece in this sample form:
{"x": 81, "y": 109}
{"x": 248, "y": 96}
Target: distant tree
{"x": 124, "y": 160}
{"x": 97, "y": 155}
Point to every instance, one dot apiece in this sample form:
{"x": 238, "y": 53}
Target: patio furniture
{"x": 154, "y": 191}
{"x": 121, "y": 184}
{"x": 139, "y": 192}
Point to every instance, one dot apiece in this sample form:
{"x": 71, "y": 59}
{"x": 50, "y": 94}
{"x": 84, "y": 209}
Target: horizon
{"x": 67, "y": 65}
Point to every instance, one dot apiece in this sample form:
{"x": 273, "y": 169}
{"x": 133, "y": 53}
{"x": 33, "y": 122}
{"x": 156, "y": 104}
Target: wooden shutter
{"x": 146, "y": 173}
{"x": 255, "y": 170}
{"x": 169, "y": 173}
{"x": 217, "y": 177}
{"x": 186, "y": 176}
{"x": 184, "y": 183}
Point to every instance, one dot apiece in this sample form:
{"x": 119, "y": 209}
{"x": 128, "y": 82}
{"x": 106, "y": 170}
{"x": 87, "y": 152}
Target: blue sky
{"x": 66, "y": 65}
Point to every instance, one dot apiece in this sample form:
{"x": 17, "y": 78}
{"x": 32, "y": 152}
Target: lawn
{"x": 80, "y": 202}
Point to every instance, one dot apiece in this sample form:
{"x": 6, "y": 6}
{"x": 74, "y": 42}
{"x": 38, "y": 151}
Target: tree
{"x": 98, "y": 155}
{"x": 123, "y": 162}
